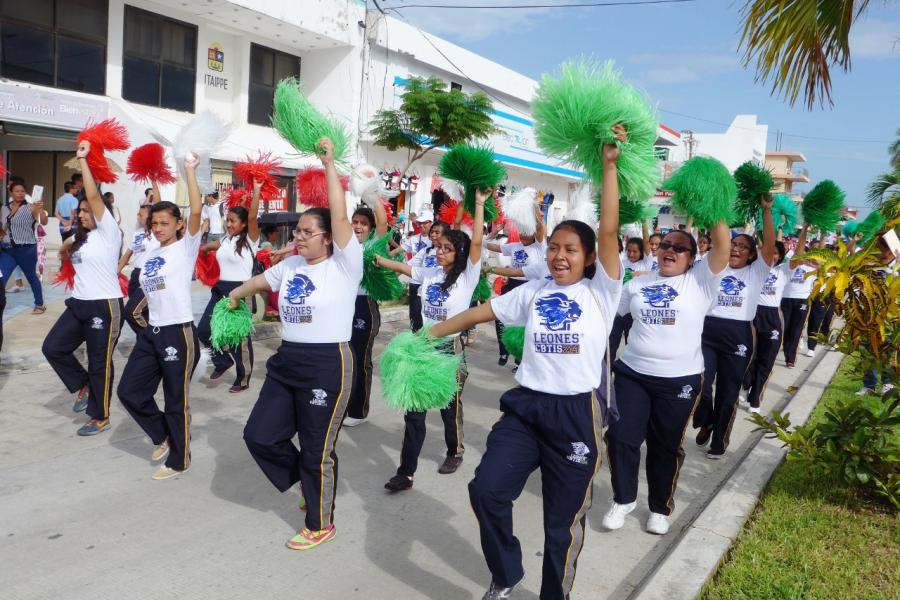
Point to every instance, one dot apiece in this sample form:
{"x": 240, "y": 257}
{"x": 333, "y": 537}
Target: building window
{"x": 267, "y": 68}
{"x": 160, "y": 62}
{"x": 455, "y": 86}
{"x": 59, "y": 43}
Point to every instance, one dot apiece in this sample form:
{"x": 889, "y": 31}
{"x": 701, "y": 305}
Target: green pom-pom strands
{"x": 302, "y": 125}
{"x": 849, "y": 229}
{"x": 574, "y": 113}
{"x": 482, "y": 292}
{"x": 514, "y": 341}
{"x": 704, "y": 190}
{"x": 784, "y": 214}
{"x": 632, "y": 211}
{"x": 870, "y": 226}
{"x": 752, "y": 181}
{"x": 381, "y": 284}
{"x": 821, "y": 205}
{"x": 417, "y": 373}
{"x": 474, "y": 167}
{"x": 229, "y": 327}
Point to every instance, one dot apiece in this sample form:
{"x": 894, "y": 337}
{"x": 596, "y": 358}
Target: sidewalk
{"x": 86, "y": 510}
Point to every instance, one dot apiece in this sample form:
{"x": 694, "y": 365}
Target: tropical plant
{"x": 894, "y": 151}
{"x": 875, "y": 194}
{"x": 430, "y": 117}
{"x": 795, "y": 43}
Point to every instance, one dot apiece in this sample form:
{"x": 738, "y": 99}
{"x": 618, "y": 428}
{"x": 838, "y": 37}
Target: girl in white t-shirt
{"x": 795, "y": 301}
{"x": 167, "y": 350}
{"x": 366, "y": 317}
{"x": 445, "y": 291}
{"x": 309, "y": 378}
{"x": 142, "y": 242}
{"x": 554, "y": 419}
{"x": 235, "y": 253}
{"x": 659, "y": 373}
{"x": 93, "y": 314}
{"x": 728, "y": 338}
{"x": 636, "y": 260}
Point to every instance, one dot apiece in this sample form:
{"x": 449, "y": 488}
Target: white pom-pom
{"x": 200, "y": 137}
{"x": 582, "y": 207}
{"x": 519, "y": 208}
{"x": 365, "y": 183}
{"x": 453, "y": 189}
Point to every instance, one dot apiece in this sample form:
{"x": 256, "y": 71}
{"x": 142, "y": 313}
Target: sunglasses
{"x": 677, "y": 248}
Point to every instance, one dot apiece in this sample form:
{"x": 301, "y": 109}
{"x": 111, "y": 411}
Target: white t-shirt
{"x": 645, "y": 265}
{"x": 654, "y": 263}
{"x": 316, "y": 302}
{"x": 415, "y": 243}
{"x": 142, "y": 243}
{"x": 166, "y": 281}
{"x": 798, "y": 285}
{"x": 213, "y": 213}
{"x": 537, "y": 270}
{"x": 668, "y": 321}
{"x": 438, "y": 305}
{"x": 426, "y": 257}
{"x": 739, "y": 291}
{"x": 773, "y": 286}
{"x": 97, "y": 262}
{"x": 234, "y": 266}
{"x": 566, "y": 331}
{"x": 521, "y": 255}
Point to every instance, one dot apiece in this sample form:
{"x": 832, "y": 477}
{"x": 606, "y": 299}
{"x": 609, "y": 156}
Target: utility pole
{"x": 690, "y": 142}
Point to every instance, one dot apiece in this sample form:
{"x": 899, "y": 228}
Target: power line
{"x": 526, "y": 6}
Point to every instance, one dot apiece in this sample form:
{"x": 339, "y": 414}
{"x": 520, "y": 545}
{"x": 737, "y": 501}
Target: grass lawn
{"x": 810, "y": 538}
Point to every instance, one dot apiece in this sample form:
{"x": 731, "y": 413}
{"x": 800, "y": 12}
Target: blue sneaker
{"x": 94, "y": 426}
{"x": 81, "y": 400}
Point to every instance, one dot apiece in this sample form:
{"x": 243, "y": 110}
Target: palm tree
{"x": 894, "y": 151}
{"x": 796, "y": 42}
{"x": 881, "y": 185}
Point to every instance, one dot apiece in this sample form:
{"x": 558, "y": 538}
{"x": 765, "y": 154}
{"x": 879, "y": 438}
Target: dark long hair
{"x": 638, "y": 242}
{"x": 367, "y": 213}
{"x": 588, "y": 242}
{"x": 323, "y": 218}
{"x": 81, "y": 234}
{"x": 242, "y": 242}
{"x": 753, "y": 251}
{"x": 169, "y": 207}
{"x": 779, "y": 245}
{"x": 462, "y": 244}
{"x": 444, "y": 227}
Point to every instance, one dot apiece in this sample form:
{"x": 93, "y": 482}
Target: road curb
{"x": 681, "y": 573}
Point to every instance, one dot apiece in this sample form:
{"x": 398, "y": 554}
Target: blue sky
{"x": 685, "y": 57}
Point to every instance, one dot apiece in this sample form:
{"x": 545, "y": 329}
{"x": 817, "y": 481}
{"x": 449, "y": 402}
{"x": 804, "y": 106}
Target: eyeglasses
{"x": 305, "y": 234}
{"x": 444, "y": 249}
{"x": 677, "y": 248}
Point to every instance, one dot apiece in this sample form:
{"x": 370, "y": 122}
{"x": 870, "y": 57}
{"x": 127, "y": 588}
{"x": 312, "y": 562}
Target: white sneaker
{"x": 166, "y": 473}
{"x": 865, "y": 391}
{"x": 353, "y": 421}
{"x": 202, "y": 365}
{"x": 161, "y": 451}
{"x": 754, "y": 410}
{"x": 742, "y": 396}
{"x": 658, "y": 524}
{"x": 810, "y": 353}
{"x": 615, "y": 516}
{"x": 886, "y": 388}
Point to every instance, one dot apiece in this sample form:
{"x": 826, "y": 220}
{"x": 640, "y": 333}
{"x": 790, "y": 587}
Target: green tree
{"x": 795, "y": 43}
{"x": 894, "y": 151}
{"x": 429, "y": 117}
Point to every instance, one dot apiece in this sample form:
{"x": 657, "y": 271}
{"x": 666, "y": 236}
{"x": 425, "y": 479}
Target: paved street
{"x": 81, "y": 518}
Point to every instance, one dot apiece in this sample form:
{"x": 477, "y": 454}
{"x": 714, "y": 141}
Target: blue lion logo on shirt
{"x": 435, "y": 296}
{"x": 153, "y": 265}
{"x": 771, "y": 279}
{"x": 520, "y": 257}
{"x": 421, "y": 244}
{"x": 659, "y": 296}
{"x": 299, "y": 288}
{"x": 557, "y": 312}
{"x": 732, "y": 286}
{"x": 430, "y": 261}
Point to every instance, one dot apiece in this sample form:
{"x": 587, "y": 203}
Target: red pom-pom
{"x": 207, "y": 268}
{"x": 123, "y": 284}
{"x": 264, "y": 256}
{"x": 105, "y": 136}
{"x": 148, "y": 163}
{"x": 447, "y": 214}
{"x": 312, "y": 187}
{"x": 66, "y": 275}
{"x": 388, "y": 211}
{"x": 237, "y": 197}
{"x": 264, "y": 168}
{"x": 512, "y": 233}
{"x": 499, "y": 282}
{"x": 2, "y": 168}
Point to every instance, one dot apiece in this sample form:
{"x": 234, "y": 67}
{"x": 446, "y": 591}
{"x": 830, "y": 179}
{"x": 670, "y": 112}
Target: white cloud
{"x": 472, "y": 25}
{"x": 874, "y": 38}
{"x": 669, "y": 68}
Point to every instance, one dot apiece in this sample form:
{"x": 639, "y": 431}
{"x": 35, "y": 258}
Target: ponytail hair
{"x": 242, "y": 242}
{"x": 81, "y": 234}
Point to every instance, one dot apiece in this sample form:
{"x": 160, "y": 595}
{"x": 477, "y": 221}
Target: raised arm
{"x": 95, "y": 201}
{"x": 717, "y": 259}
{"x": 341, "y": 230}
{"x": 196, "y": 201}
{"x": 463, "y": 321}
{"x": 393, "y": 265}
{"x": 801, "y": 247}
{"x": 608, "y": 232}
{"x": 253, "y": 216}
{"x": 381, "y": 221}
{"x": 768, "y": 247}
{"x": 645, "y": 234}
{"x": 481, "y": 197}
{"x": 154, "y": 195}
{"x": 540, "y": 231}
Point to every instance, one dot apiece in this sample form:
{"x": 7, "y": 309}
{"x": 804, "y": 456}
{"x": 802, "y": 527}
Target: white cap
{"x": 425, "y": 215}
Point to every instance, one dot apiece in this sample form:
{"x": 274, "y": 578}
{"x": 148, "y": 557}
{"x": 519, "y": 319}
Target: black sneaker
{"x": 451, "y": 464}
{"x": 496, "y": 592}
{"x": 715, "y": 454}
{"x": 398, "y": 483}
{"x": 703, "y": 436}
{"x": 216, "y": 375}
{"x": 504, "y": 358}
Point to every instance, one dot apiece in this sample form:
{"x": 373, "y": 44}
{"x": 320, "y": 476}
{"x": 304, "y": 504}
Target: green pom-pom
{"x": 229, "y": 327}
{"x": 302, "y": 125}
{"x": 416, "y": 374}
{"x": 752, "y": 181}
{"x": 574, "y": 112}
{"x": 633, "y": 211}
{"x": 821, "y": 205}
{"x": 704, "y": 190}
{"x": 784, "y": 214}
{"x": 473, "y": 166}
{"x": 871, "y": 226}
{"x": 849, "y": 229}
{"x": 482, "y": 291}
{"x": 514, "y": 341}
{"x": 381, "y": 284}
